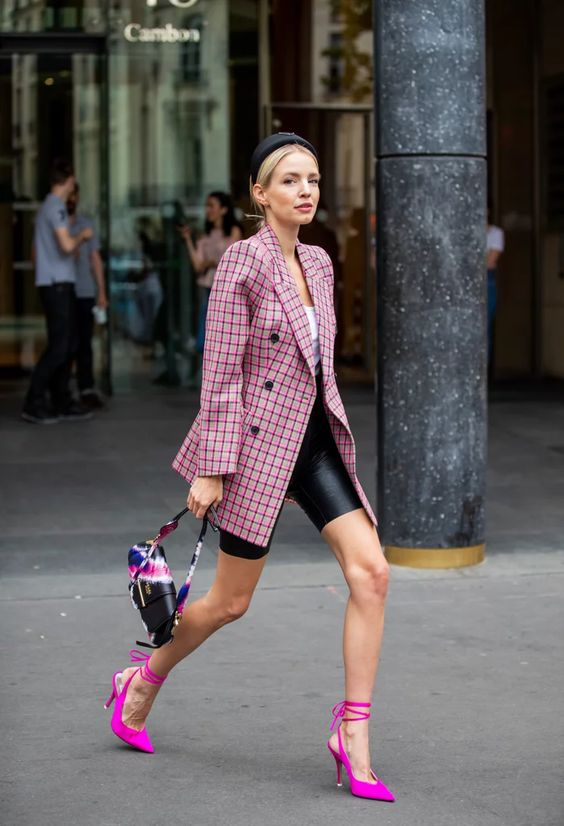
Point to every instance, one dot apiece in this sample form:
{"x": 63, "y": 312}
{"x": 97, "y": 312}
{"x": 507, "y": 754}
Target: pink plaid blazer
{"x": 258, "y": 383}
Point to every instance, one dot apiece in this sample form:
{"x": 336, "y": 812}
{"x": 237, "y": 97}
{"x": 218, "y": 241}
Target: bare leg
{"x": 355, "y": 543}
{"x": 226, "y": 601}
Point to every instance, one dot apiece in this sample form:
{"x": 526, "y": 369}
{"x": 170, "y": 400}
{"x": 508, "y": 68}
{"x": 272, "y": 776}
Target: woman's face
{"x": 292, "y": 195}
{"x": 214, "y": 211}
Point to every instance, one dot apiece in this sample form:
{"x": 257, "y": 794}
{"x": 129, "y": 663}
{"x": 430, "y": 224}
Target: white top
{"x": 495, "y": 238}
{"x": 310, "y": 312}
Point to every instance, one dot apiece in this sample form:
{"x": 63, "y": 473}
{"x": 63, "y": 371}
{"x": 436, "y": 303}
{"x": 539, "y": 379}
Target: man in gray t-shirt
{"x": 48, "y": 398}
{"x": 52, "y": 264}
{"x": 90, "y": 290}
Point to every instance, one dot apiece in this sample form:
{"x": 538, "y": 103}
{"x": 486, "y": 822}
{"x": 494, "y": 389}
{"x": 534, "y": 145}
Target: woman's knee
{"x": 233, "y": 587}
{"x": 233, "y": 608}
{"x": 369, "y": 580}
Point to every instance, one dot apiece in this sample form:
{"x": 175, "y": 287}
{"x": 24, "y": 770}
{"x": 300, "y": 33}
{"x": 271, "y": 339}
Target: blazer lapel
{"x": 287, "y": 292}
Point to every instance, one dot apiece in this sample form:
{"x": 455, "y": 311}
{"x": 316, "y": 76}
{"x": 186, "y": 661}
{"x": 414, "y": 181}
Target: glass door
{"x": 52, "y": 108}
{"x": 169, "y": 145}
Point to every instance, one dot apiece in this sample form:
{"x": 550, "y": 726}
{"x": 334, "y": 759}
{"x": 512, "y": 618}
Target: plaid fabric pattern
{"x": 258, "y": 383}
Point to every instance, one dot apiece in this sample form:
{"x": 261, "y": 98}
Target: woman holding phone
{"x": 220, "y": 231}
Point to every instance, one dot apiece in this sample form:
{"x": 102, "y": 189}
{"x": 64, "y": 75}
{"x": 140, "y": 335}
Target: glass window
{"x": 147, "y": 123}
{"x": 169, "y": 145}
{"x": 342, "y": 47}
{"x": 52, "y": 15}
{"x": 339, "y": 121}
{"x": 52, "y": 108}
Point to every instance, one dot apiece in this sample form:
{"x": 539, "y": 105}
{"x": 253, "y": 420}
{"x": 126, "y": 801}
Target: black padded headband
{"x": 272, "y": 142}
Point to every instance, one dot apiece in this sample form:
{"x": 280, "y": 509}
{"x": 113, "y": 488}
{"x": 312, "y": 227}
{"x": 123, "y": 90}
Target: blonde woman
{"x": 272, "y": 428}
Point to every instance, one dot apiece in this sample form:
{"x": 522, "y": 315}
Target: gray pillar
{"x": 431, "y": 204}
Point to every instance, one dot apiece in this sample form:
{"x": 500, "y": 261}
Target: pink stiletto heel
{"x": 112, "y": 696}
{"x": 137, "y": 739}
{"x": 360, "y": 788}
{"x": 338, "y": 764}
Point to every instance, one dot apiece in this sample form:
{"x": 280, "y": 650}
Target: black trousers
{"x": 84, "y": 333}
{"x": 52, "y": 371}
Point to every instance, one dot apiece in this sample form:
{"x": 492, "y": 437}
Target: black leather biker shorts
{"x": 319, "y": 483}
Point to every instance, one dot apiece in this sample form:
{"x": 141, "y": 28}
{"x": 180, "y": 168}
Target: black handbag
{"x": 151, "y": 587}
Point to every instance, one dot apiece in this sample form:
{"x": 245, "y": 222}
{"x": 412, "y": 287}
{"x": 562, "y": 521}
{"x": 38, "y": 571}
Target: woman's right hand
{"x": 184, "y": 231}
{"x": 205, "y": 491}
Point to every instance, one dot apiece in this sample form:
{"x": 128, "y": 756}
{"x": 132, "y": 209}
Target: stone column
{"x": 431, "y": 204}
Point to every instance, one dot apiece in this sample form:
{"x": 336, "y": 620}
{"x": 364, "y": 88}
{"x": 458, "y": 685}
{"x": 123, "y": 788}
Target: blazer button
{"x": 269, "y": 385}
{"x": 274, "y": 338}
{"x": 255, "y": 430}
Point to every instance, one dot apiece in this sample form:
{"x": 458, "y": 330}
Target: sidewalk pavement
{"x": 468, "y": 711}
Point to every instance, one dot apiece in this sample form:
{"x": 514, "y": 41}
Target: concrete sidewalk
{"x": 468, "y": 723}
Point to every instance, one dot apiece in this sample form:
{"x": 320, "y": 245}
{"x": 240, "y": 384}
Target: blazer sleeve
{"x": 227, "y": 332}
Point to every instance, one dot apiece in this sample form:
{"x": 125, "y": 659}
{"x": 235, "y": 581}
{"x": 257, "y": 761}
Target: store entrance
{"x": 52, "y": 93}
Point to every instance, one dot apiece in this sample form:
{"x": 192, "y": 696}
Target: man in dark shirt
{"x": 55, "y": 277}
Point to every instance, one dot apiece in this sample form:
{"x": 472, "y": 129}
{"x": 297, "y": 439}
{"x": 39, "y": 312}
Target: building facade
{"x": 156, "y": 105}
{"x": 158, "y": 102}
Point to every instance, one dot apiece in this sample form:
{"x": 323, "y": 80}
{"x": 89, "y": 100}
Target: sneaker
{"x": 91, "y": 400}
{"x": 75, "y": 412}
{"x": 39, "y": 415}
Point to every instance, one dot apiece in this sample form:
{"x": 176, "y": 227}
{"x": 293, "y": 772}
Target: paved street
{"x": 468, "y": 713}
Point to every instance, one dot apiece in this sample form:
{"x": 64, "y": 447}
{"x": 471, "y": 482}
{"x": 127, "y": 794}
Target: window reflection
{"x": 168, "y": 145}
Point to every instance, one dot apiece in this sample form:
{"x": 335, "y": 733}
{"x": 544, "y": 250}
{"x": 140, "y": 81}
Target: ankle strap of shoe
{"x": 146, "y": 673}
{"x": 348, "y": 707}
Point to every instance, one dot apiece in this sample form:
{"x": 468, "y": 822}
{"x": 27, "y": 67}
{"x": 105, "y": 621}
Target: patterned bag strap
{"x": 167, "y": 529}
{"x": 182, "y": 595}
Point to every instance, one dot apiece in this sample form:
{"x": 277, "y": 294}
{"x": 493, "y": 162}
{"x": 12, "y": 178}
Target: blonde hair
{"x": 264, "y": 176}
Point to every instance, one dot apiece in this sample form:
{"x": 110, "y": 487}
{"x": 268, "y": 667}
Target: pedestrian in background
{"x": 49, "y": 398}
{"x": 495, "y": 245}
{"x": 90, "y": 291}
{"x": 149, "y": 295}
{"x": 220, "y": 231}
{"x": 272, "y": 427}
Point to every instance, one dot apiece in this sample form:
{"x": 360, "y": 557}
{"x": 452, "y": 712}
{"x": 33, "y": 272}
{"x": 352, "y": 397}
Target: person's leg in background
{"x": 47, "y": 372}
{"x": 84, "y": 355}
{"x": 59, "y": 384}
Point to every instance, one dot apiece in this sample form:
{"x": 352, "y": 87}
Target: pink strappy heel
{"x": 360, "y": 788}
{"x": 138, "y": 739}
